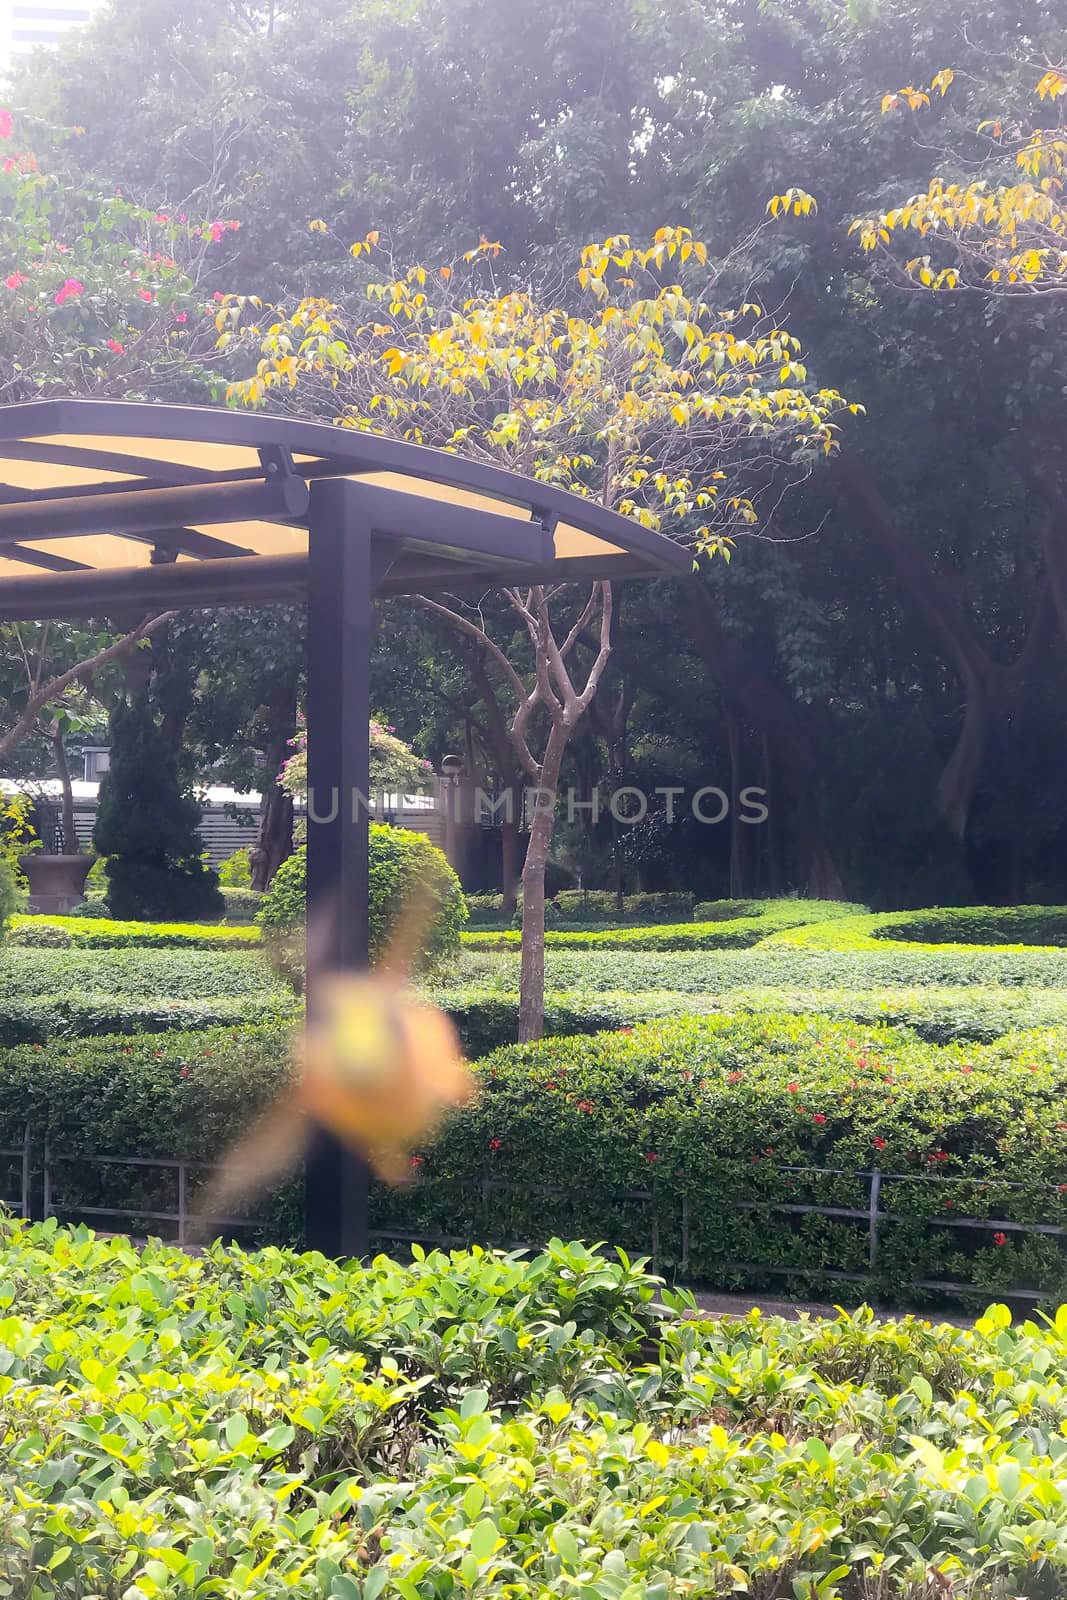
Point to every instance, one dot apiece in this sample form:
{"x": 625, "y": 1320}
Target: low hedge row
{"x": 43, "y": 1019}
{"x": 737, "y": 933}
{"x": 579, "y": 909}
{"x": 706, "y": 1137}
{"x": 288, "y": 1427}
{"x": 895, "y": 966}
{"x": 1004, "y": 927}
{"x": 712, "y": 1136}
{"x": 135, "y": 974}
{"x": 101, "y": 933}
{"x": 488, "y": 1018}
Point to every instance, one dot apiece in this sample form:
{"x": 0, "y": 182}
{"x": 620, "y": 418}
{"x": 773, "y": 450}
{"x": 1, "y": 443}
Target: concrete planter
{"x": 57, "y": 883}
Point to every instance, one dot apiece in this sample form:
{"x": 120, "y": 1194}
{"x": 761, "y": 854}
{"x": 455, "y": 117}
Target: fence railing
{"x": 32, "y": 1186}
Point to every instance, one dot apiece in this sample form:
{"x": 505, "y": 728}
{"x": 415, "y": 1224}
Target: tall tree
{"x": 657, "y": 403}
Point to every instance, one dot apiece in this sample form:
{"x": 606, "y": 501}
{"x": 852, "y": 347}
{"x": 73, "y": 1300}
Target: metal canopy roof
{"x": 109, "y": 502}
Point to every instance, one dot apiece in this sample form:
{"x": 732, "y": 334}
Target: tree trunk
{"x": 70, "y": 836}
{"x": 510, "y": 867}
{"x": 542, "y": 823}
{"x": 274, "y": 841}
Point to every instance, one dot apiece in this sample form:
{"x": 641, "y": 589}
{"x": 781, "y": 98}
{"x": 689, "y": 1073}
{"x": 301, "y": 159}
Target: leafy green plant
{"x": 105, "y": 933}
{"x": 236, "y": 871}
{"x": 288, "y": 1426}
{"x": 148, "y": 828}
{"x": 401, "y": 861}
{"x": 10, "y": 895}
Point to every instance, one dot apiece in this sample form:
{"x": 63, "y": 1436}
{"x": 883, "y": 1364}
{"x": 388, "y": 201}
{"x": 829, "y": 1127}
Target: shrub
{"x": 241, "y": 905}
{"x": 104, "y": 933}
{"x": 400, "y": 861}
{"x": 737, "y": 933}
{"x": 601, "y": 905}
{"x": 148, "y": 829}
{"x": 236, "y": 871}
{"x": 1004, "y": 927}
{"x": 135, "y": 973}
{"x": 476, "y": 1423}
{"x": 730, "y": 1124}
{"x": 709, "y": 1136}
{"x": 96, "y": 906}
{"x": 772, "y": 963}
{"x": 10, "y": 894}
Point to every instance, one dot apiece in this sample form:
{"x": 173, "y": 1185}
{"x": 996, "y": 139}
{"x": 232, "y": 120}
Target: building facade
{"x": 27, "y": 24}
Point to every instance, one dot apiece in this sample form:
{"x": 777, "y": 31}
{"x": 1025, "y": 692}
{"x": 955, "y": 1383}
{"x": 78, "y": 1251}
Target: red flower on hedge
{"x": 652, "y": 1157}
{"x": 416, "y": 1161}
{"x": 7, "y": 125}
{"x": 145, "y": 295}
{"x": 494, "y": 1144}
{"x": 818, "y": 1117}
{"x": 734, "y": 1077}
{"x": 70, "y": 291}
{"x": 999, "y": 1239}
{"x": 185, "y": 1072}
{"x": 586, "y": 1106}
{"x": 794, "y": 1088}
{"x": 966, "y": 1067}
{"x": 116, "y": 346}
{"x": 14, "y": 281}
{"x": 878, "y": 1142}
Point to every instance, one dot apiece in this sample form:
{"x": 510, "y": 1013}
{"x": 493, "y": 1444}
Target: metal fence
{"x": 32, "y": 1186}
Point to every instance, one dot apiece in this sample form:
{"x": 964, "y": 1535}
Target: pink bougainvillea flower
{"x": 70, "y": 291}
{"x": 161, "y": 216}
{"x": 145, "y": 295}
{"x": 15, "y": 280}
{"x": 7, "y": 125}
{"x": 183, "y": 316}
{"x": 117, "y": 346}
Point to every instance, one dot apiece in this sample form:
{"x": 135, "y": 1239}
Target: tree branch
{"x": 84, "y": 669}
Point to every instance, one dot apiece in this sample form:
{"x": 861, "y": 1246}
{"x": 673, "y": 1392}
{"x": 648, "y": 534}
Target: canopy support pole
{"x": 340, "y": 618}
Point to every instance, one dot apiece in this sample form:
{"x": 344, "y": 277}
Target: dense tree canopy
{"x": 890, "y": 662}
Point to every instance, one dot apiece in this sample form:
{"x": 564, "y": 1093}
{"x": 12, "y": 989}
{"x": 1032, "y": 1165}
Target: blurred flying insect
{"x": 374, "y": 1066}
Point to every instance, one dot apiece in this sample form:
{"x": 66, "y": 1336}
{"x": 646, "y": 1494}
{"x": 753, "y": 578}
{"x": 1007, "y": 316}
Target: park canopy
{"x": 109, "y": 503}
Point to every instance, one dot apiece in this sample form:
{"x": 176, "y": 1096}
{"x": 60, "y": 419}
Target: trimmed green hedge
{"x": 1003, "y": 927}
{"x": 102, "y": 933}
{"x": 736, "y": 933}
{"x": 401, "y": 862}
{"x": 488, "y": 1018}
{"x": 713, "y": 1112}
{"x": 135, "y": 974}
{"x": 283, "y": 1426}
{"x": 701, "y": 1135}
{"x": 895, "y": 966}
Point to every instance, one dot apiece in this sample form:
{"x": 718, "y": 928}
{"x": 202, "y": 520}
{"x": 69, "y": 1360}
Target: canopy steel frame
{"x": 439, "y": 521}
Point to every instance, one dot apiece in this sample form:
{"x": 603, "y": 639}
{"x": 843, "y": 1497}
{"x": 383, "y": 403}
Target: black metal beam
{"x": 240, "y": 581}
{"x": 139, "y": 511}
{"x": 340, "y": 618}
{"x": 415, "y": 573}
{"x": 43, "y": 559}
{"x": 441, "y": 526}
